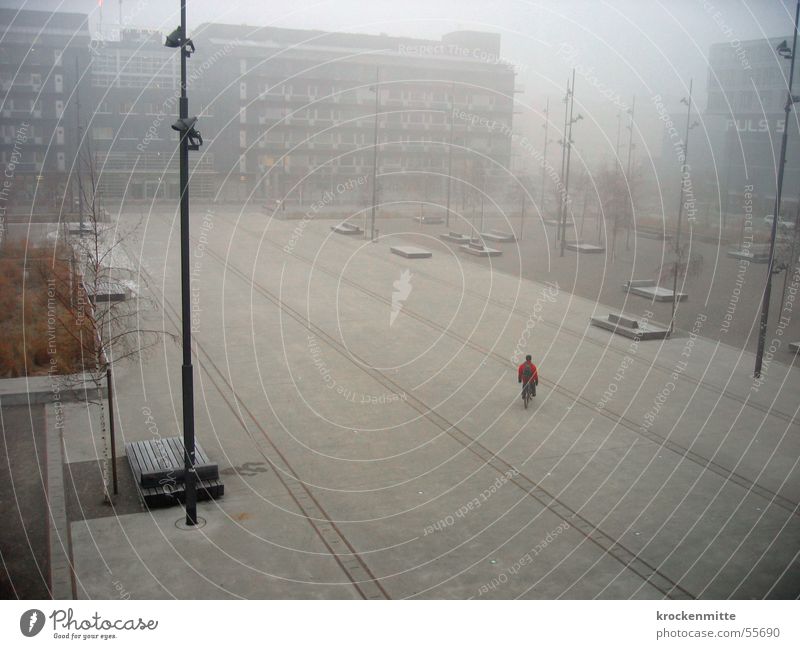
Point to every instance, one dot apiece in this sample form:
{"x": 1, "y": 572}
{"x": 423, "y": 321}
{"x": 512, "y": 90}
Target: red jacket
{"x": 534, "y": 376}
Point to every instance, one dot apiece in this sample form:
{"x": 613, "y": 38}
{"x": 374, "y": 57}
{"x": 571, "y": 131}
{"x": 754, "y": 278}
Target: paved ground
{"x": 724, "y": 284}
{"x": 364, "y": 409}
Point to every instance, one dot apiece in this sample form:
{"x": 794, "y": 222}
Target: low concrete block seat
{"x": 577, "y": 246}
{"x": 429, "y": 220}
{"x": 631, "y": 327}
{"x": 455, "y": 237}
{"x": 347, "y": 228}
{"x": 499, "y": 236}
{"x": 478, "y": 248}
{"x": 649, "y": 289}
{"x": 411, "y": 252}
{"x": 757, "y": 253}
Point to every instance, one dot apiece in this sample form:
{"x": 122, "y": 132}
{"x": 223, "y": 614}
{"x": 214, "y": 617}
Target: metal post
{"x": 563, "y": 157}
{"x": 375, "y": 156}
{"x": 522, "y": 214}
{"x": 762, "y": 330}
{"x": 187, "y": 372}
{"x": 566, "y": 177}
{"x": 628, "y": 172}
{"x": 110, "y": 389}
{"x": 544, "y": 154}
{"x": 450, "y": 152}
{"x": 680, "y": 214}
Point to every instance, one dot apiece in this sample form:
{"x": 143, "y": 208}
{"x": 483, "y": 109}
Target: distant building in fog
{"x": 43, "y": 59}
{"x": 745, "y": 108}
{"x": 741, "y": 123}
{"x": 299, "y": 109}
{"x": 284, "y": 113}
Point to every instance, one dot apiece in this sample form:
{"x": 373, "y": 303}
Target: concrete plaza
{"x": 365, "y": 413}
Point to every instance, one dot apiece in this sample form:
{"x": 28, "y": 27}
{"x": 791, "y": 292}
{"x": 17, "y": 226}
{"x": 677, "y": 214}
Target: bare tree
{"x": 101, "y": 302}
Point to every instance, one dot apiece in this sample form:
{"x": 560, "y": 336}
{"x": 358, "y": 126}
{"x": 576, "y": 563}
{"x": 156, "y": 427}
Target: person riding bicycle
{"x": 528, "y": 375}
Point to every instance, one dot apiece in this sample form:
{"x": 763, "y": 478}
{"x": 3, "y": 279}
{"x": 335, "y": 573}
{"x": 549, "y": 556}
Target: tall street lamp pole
{"x": 563, "y": 143}
{"x": 189, "y": 139}
{"x": 632, "y": 113}
{"x": 569, "y": 156}
{"x": 783, "y": 50}
{"x": 375, "y": 155}
{"x": 545, "y": 126}
{"x": 450, "y": 152}
{"x": 684, "y": 169}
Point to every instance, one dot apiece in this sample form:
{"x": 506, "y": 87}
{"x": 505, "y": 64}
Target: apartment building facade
{"x": 288, "y": 116}
{"x": 43, "y": 62}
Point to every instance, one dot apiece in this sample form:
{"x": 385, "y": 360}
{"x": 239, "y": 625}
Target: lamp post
{"x": 568, "y": 146}
{"x": 563, "y": 144}
{"x": 544, "y": 152}
{"x": 684, "y": 166}
{"x": 375, "y": 155}
{"x": 450, "y": 151}
{"x": 786, "y": 53}
{"x": 189, "y": 139}
{"x": 632, "y": 113}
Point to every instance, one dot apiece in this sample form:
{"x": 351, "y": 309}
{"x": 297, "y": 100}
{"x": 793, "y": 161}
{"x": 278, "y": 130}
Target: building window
{"x": 102, "y": 133}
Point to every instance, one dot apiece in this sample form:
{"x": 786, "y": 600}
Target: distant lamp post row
{"x": 788, "y": 53}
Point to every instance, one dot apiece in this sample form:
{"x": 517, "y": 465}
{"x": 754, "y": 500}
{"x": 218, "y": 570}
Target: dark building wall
{"x": 43, "y": 56}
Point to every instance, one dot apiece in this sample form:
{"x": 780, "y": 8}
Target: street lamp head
{"x": 784, "y": 50}
{"x": 176, "y": 39}
{"x": 684, "y": 101}
{"x": 185, "y": 127}
{"x": 695, "y": 123}
{"x": 579, "y": 117}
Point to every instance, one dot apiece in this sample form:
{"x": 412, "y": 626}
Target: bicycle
{"x": 528, "y": 392}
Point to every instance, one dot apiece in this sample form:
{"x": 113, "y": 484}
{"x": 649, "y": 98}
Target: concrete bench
{"x": 346, "y": 228}
{"x": 638, "y": 283}
{"x": 577, "y": 246}
{"x": 411, "y": 252}
{"x": 499, "y": 236}
{"x": 479, "y": 249}
{"x": 454, "y": 237}
{"x": 623, "y": 320}
{"x": 631, "y": 327}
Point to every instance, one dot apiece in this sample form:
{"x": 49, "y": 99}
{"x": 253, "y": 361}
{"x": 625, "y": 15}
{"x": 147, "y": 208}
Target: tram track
{"x": 592, "y": 534}
{"x": 616, "y": 418}
{"x": 340, "y": 548}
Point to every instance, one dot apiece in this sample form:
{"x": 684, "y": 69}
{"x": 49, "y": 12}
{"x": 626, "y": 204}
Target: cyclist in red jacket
{"x": 528, "y": 375}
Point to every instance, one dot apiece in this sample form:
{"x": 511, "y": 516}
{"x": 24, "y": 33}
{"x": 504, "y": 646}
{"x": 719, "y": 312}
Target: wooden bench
{"x": 158, "y": 469}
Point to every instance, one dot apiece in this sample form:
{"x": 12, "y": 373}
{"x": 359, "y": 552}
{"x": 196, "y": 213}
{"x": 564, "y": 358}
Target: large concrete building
{"x": 300, "y": 109}
{"x": 43, "y": 57}
{"x": 735, "y": 147}
{"x": 288, "y": 116}
{"x": 747, "y": 93}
